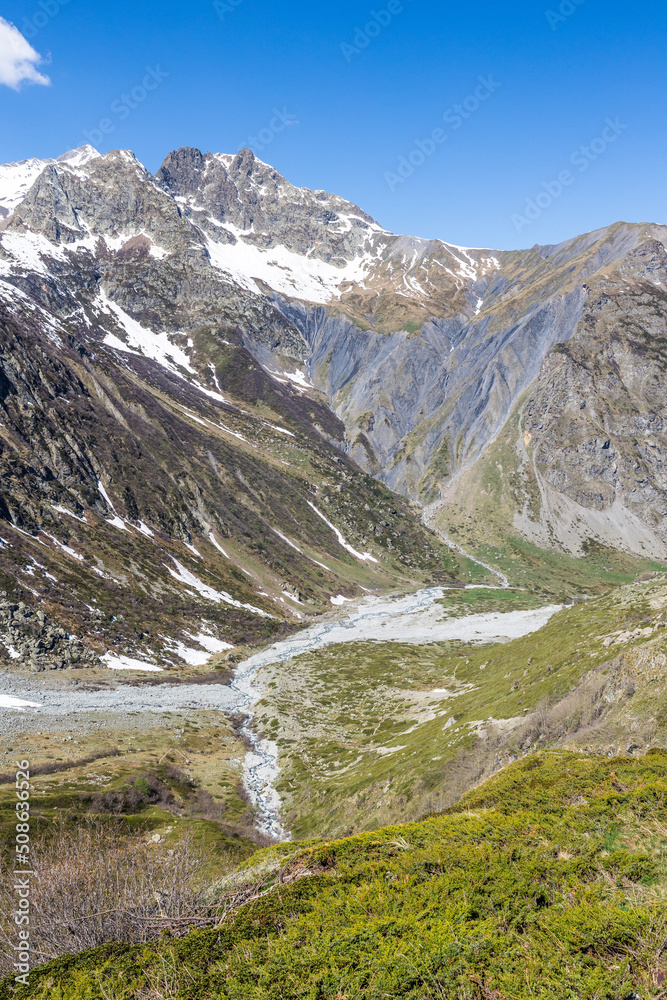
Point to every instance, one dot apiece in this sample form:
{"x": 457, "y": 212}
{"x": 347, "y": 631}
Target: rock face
{"x": 16, "y": 179}
{"x": 225, "y": 195}
{"x": 31, "y": 640}
{"x": 596, "y": 418}
{"x": 196, "y": 365}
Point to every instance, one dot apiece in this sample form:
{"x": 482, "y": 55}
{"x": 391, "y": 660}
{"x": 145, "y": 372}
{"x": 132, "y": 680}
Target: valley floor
{"x": 388, "y": 708}
{"x": 97, "y": 701}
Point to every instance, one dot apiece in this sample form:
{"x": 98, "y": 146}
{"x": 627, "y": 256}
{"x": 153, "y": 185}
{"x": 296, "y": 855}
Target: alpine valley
{"x": 306, "y": 529}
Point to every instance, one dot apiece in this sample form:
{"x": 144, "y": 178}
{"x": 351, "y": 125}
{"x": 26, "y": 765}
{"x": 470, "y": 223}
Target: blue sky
{"x": 361, "y": 104}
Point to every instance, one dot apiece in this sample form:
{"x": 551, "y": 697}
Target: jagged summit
{"x": 240, "y": 196}
{"x": 181, "y": 166}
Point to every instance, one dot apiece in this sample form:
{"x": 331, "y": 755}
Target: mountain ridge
{"x": 286, "y": 322}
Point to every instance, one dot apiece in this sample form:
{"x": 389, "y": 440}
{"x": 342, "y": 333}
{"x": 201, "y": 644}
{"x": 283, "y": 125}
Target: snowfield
{"x": 289, "y": 273}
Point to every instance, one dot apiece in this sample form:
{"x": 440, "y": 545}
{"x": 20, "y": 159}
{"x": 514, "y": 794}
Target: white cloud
{"x": 18, "y": 59}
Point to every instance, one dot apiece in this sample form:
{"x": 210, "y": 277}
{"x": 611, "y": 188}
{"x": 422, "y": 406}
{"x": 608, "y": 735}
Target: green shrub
{"x": 546, "y": 882}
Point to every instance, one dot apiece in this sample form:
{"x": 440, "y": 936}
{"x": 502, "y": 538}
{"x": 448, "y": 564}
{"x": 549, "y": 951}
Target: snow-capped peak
{"x": 77, "y": 157}
{"x": 16, "y": 179}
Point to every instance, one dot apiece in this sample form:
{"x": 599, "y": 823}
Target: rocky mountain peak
{"x": 16, "y": 179}
{"x": 109, "y": 196}
{"x": 77, "y": 157}
{"x": 181, "y": 170}
{"x": 244, "y": 162}
{"x": 242, "y": 198}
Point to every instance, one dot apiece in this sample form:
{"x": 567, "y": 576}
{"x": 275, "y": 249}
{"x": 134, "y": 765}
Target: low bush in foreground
{"x": 549, "y": 881}
{"x": 103, "y": 882}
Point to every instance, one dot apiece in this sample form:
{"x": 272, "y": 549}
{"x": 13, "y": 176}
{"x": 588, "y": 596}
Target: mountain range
{"x": 228, "y": 400}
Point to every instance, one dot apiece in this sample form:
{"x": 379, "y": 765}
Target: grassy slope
{"x": 190, "y": 762}
{"x": 549, "y": 881}
{"x": 365, "y": 738}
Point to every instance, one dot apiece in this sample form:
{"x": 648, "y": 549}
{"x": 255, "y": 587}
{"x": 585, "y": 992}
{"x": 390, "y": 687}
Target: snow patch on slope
{"x": 127, "y": 663}
{"x": 140, "y": 340}
{"x": 28, "y": 250}
{"x": 6, "y": 701}
{"x": 217, "y": 544}
{"x": 210, "y": 643}
{"x": 364, "y": 556}
{"x": 218, "y": 597}
{"x": 283, "y": 270}
{"x": 199, "y": 657}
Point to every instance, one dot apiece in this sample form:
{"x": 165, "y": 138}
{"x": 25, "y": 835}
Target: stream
{"x": 408, "y": 618}
{"x": 412, "y": 618}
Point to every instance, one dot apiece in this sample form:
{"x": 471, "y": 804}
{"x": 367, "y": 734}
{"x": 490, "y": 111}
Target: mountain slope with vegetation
{"x": 547, "y": 881}
{"x": 374, "y": 732}
{"x": 134, "y": 504}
